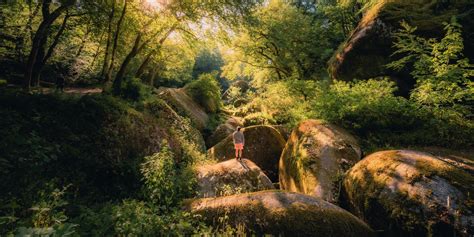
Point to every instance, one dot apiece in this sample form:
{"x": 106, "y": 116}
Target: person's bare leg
{"x": 240, "y": 153}
{"x": 236, "y": 153}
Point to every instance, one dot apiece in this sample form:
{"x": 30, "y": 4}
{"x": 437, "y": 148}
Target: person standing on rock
{"x": 239, "y": 141}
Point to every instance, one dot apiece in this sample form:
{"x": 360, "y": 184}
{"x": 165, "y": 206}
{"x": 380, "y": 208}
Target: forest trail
{"x": 70, "y": 90}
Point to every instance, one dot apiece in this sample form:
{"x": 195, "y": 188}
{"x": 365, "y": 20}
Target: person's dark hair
{"x": 238, "y": 128}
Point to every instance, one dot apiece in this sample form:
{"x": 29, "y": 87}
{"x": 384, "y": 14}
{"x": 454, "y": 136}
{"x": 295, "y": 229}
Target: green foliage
{"x": 371, "y": 111}
{"x": 282, "y": 42}
{"x": 165, "y": 183}
{"x": 207, "y": 61}
{"x": 47, "y": 215}
{"x": 3, "y": 83}
{"x": 134, "y": 90}
{"x": 443, "y": 74}
{"x": 206, "y": 92}
{"x": 94, "y": 143}
{"x": 137, "y": 218}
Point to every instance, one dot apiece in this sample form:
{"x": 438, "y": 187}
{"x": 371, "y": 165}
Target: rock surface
{"x": 185, "y": 106}
{"x": 315, "y": 157}
{"x": 368, "y": 49}
{"x": 230, "y": 177}
{"x": 410, "y": 193}
{"x": 263, "y": 145}
{"x": 224, "y": 130}
{"x": 280, "y": 214}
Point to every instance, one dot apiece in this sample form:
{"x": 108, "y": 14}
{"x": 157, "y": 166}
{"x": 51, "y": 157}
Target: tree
{"x": 36, "y": 58}
{"x": 283, "y": 42}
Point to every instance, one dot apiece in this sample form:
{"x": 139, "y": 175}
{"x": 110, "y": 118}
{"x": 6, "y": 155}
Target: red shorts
{"x": 239, "y": 146}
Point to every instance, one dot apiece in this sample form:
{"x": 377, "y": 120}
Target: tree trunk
{"x": 121, "y": 72}
{"x": 105, "y": 65}
{"x": 56, "y": 39}
{"x": 135, "y": 50}
{"x": 108, "y": 75}
{"x": 40, "y": 39}
{"x": 153, "y": 75}
{"x": 145, "y": 63}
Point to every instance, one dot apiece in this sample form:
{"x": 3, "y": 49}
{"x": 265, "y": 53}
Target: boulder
{"x": 230, "y": 177}
{"x": 224, "y": 130}
{"x": 284, "y": 130}
{"x": 368, "y": 49}
{"x": 263, "y": 145}
{"x": 411, "y": 193}
{"x": 180, "y": 129}
{"x": 279, "y": 213}
{"x": 315, "y": 158}
{"x": 184, "y": 105}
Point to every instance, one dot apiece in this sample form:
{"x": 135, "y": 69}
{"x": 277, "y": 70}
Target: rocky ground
{"x": 327, "y": 187}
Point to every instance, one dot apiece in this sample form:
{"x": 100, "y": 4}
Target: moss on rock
{"x": 185, "y": 106}
{"x": 279, "y": 213}
{"x": 230, "y": 177}
{"x": 410, "y": 193}
{"x": 366, "y": 52}
{"x": 315, "y": 158}
{"x": 263, "y": 145}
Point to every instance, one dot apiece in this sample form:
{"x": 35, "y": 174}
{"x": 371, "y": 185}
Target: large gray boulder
{"x": 230, "y": 177}
{"x": 263, "y": 145}
{"x": 224, "y": 130}
{"x": 410, "y": 193}
{"x": 184, "y": 105}
{"x": 279, "y": 213}
{"x": 315, "y": 158}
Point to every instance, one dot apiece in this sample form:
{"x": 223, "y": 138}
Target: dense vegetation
{"x": 120, "y": 162}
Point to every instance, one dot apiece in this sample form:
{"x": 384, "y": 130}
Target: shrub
{"x": 138, "y": 218}
{"x": 258, "y": 118}
{"x": 134, "y": 90}
{"x": 443, "y": 74}
{"x": 206, "y": 92}
{"x": 166, "y": 183}
{"x": 3, "y": 83}
{"x": 371, "y": 111}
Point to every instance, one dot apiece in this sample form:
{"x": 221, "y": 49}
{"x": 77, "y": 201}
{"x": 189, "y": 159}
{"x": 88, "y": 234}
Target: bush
{"x": 134, "y": 90}
{"x": 95, "y": 143}
{"x": 258, "y": 118}
{"x": 3, "y": 83}
{"x": 138, "y": 218}
{"x": 371, "y": 111}
{"x": 206, "y": 92}
{"x": 166, "y": 183}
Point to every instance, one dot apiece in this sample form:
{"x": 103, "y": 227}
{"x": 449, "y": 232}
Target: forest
{"x": 121, "y": 117}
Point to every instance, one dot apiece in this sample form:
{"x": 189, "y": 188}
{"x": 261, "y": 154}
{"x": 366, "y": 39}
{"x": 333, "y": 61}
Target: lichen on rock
{"x": 414, "y": 193}
{"x": 316, "y": 157}
{"x": 230, "y": 177}
{"x": 279, "y": 213}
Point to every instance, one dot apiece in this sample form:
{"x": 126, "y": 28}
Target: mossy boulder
{"x": 410, "y": 193}
{"x": 185, "y": 106}
{"x": 181, "y": 129}
{"x": 279, "y": 213}
{"x": 368, "y": 49}
{"x": 284, "y": 130}
{"x": 315, "y": 157}
{"x": 224, "y": 130}
{"x": 263, "y": 145}
{"x": 230, "y": 177}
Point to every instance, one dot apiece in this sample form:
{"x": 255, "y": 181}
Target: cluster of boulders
{"x": 327, "y": 189}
